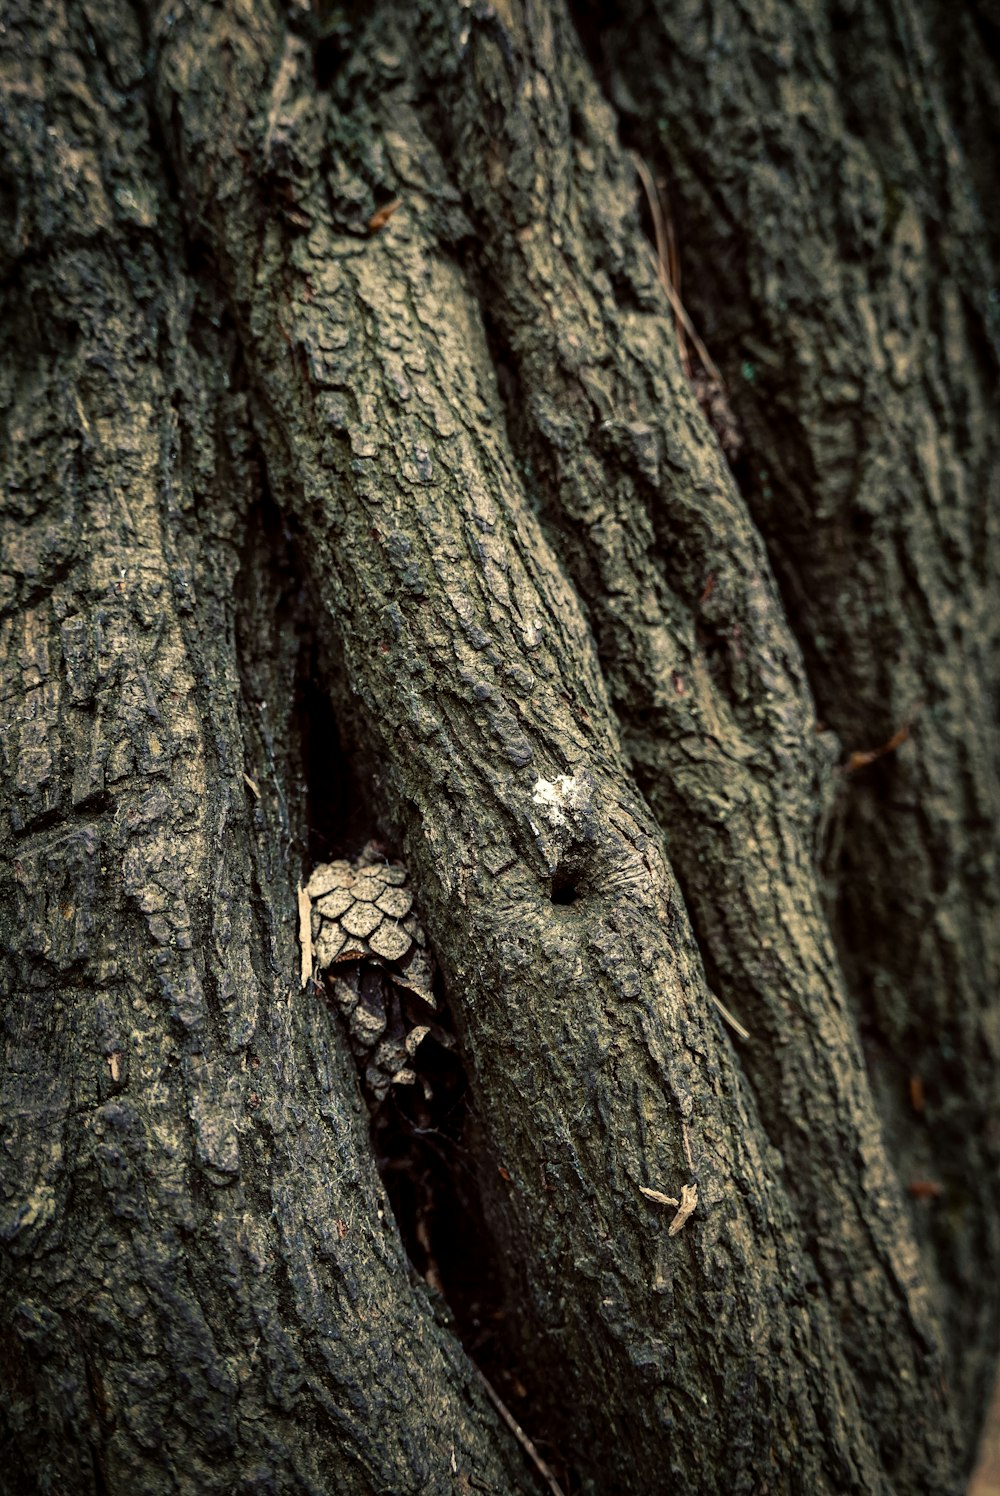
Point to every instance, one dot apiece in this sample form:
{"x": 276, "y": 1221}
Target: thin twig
{"x": 861, "y": 758}
{"x": 305, "y": 934}
{"x": 733, "y": 1022}
{"x": 665, "y": 253}
{"x": 520, "y": 1435}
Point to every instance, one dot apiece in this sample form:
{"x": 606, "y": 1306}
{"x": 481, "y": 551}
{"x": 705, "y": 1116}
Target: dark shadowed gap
{"x": 426, "y": 1152}
{"x": 423, "y": 1135}
{"x": 339, "y": 818}
{"x": 329, "y": 809}
{"x": 565, "y": 889}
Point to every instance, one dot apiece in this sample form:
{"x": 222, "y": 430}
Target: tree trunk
{"x": 360, "y": 480}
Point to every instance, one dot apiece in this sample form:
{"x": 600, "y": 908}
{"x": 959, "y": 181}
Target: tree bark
{"x": 845, "y": 260}
{"x": 349, "y": 451}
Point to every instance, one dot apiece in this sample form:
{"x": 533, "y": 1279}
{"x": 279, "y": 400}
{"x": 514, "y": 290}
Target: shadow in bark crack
{"x": 426, "y": 1154}
{"x": 423, "y": 1134}
{"x": 339, "y": 820}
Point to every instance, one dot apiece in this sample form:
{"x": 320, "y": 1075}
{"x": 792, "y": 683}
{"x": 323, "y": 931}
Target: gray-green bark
{"x": 865, "y": 377}
{"x": 456, "y": 446}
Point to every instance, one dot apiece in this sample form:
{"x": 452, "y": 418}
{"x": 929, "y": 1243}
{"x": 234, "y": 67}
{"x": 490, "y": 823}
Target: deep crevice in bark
{"x": 428, "y": 1150}
{"x": 339, "y": 812}
{"x": 429, "y": 1155}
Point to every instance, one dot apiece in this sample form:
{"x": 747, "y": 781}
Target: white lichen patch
{"x": 558, "y": 798}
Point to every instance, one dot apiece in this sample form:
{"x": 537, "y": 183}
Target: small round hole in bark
{"x": 564, "y": 889}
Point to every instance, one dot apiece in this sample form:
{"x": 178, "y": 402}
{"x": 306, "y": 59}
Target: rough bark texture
{"x": 333, "y": 343}
{"x": 204, "y": 1290}
{"x": 841, "y": 264}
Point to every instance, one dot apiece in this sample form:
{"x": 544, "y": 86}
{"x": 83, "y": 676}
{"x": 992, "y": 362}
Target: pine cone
{"x": 379, "y": 972}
